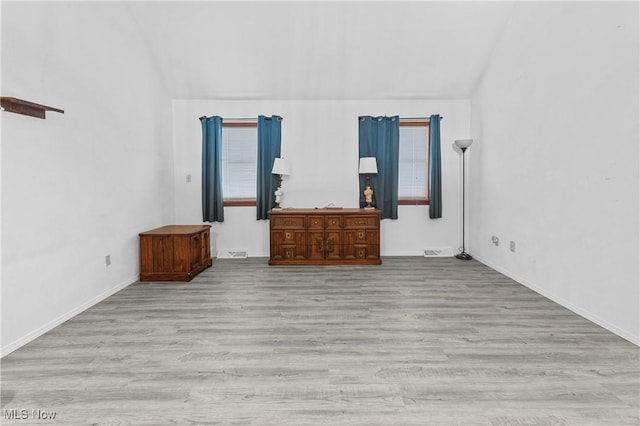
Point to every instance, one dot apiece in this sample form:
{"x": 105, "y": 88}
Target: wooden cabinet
{"x": 324, "y": 237}
{"x": 175, "y": 252}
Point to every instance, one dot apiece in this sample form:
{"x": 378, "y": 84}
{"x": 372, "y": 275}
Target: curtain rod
{"x": 408, "y": 118}
{"x": 256, "y": 118}
{"x": 419, "y": 118}
{"x": 246, "y": 118}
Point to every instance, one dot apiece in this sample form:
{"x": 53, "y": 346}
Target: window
{"x": 239, "y": 163}
{"x": 413, "y": 168}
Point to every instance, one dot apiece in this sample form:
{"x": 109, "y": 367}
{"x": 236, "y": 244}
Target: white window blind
{"x": 412, "y": 173}
{"x": 239, "y": 162}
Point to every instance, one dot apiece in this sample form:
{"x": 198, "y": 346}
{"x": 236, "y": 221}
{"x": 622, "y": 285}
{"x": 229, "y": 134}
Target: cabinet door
{"x": 288, "y": 239}
{"x": 333, "y": 245}
{"x": 156, "y": 254}
{"x": 276, "y": 250}
{"x": 349, "y": 244}
{"x": 206, "y": 248}
{"x": 373, "y": 244}
{"x": 333, "y": 237}
{"x": 317, "y": 244}
{"x": 195, "y": 252}
{"x": 361, "y": 244}
{"x": 295, "y": 245}
{"x": 288, "y": 244}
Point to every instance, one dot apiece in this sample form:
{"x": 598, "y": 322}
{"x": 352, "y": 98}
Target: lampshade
{"x": 463, "y": 143}
{"x": 368, "y": 165}
{"x": 281, "y": 167}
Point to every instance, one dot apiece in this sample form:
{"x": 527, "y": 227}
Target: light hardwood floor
{"x": 414, "y": 341}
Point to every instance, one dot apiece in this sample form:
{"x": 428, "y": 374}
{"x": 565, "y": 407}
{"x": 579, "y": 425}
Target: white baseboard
{"x": 6, "y": 350}
{"x": 565, "y": 303}
{"x": 404, "y": 253}
{"x": 250, "y": 254}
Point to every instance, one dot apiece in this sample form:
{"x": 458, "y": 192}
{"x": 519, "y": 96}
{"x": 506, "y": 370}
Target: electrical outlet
{"x": 188, "y": 178}
{"x": 495, "y": 240}
{"x": 107, "y": 260}
{"x": 512, "y": 246}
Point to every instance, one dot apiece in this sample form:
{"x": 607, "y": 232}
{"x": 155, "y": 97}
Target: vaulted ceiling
{"x": 320, "y": 50}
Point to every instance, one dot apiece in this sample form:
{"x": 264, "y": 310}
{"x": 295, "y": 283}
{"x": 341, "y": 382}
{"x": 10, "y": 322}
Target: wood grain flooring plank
{"x": 414, "y": 341}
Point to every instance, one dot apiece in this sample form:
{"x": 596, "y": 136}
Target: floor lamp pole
{"x": 463, "y": 145}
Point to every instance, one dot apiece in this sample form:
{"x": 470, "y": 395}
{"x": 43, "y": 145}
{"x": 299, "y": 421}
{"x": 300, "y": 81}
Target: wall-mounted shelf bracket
{"x": 20, "y": 106}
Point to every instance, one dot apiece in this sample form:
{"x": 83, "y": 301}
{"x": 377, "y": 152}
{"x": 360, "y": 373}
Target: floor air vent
{"x": 438, "y": 252}
{"x": 232, "y": 254}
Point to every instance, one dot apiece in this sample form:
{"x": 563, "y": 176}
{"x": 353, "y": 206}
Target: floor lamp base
{"x": 464, "y": 256}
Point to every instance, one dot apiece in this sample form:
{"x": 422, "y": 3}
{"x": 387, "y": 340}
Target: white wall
{"x": 79, "y": 185}
{"x": 555, "y": 163}
{"x": 320, "y": 138}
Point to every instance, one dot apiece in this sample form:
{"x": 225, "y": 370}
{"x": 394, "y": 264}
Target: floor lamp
{"x": 463, "y": 144}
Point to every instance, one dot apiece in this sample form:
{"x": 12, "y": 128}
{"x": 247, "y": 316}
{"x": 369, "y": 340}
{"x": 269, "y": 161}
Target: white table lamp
{"x": 282, "y": 168}
{"x": 368, "y": 166}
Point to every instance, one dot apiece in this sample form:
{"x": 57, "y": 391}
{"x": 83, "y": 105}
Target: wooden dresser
{"x": 174, "y": 253}
{"x": 324, "y": 237}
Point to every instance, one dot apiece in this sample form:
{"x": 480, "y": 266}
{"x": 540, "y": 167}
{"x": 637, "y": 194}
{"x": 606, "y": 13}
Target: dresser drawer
{"x": 361, "y": 222}
{"x": 282, "y": 222}
{"x": 333, "y": 222}
{"x": 316, "y": 222}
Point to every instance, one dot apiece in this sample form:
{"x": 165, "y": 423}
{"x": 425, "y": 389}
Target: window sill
{"x": 413, "y": 202}
{"x": 239, "y": 202}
